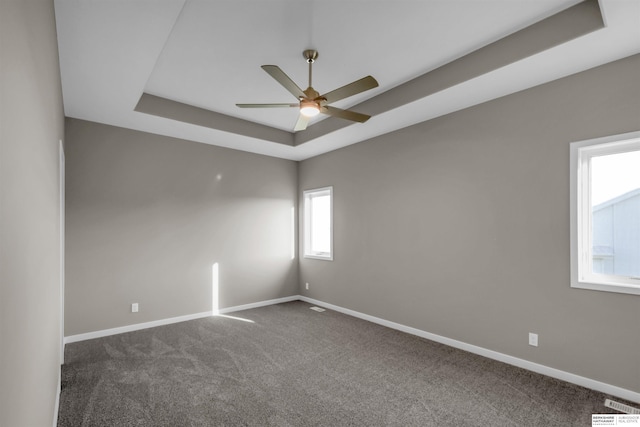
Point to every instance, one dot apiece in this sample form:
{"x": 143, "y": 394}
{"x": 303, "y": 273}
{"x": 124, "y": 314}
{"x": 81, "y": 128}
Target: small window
{"x": 605, "y": 214}
{"x": 318, "y": 223}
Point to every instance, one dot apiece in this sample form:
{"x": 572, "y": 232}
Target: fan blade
{"x": 301, "y": 124}
{"x": 279, "y": 75}
{"x": 267, "y": 105}
{"x": 345, "y": 114}
{"x": 351, "y": 89}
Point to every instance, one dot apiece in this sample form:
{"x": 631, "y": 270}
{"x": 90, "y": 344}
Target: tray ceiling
{"x": 177, "y": 68}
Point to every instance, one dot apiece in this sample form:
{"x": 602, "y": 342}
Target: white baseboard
{"x": 511, "y": 360}
{"x": 622, "y": 393}
{"x": 134, "y": 327}
{"x": 259, "y": 304}
{"x": 162, "y": 322}
{"x": 56, "y": 405}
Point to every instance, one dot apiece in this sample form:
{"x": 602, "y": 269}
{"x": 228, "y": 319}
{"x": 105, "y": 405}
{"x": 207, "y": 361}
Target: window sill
{"x": 325, "y": 257}
{"x": 616, "y": 288}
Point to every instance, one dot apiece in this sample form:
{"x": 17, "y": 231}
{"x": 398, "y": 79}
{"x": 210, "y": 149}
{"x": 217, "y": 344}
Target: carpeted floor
{"x": 287, "y": 365}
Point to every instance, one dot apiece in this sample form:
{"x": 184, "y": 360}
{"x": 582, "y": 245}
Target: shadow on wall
{"x": 275, "y": 236}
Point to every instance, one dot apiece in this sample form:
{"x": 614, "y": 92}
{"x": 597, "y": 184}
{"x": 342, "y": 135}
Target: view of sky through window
{"x": 613, "y": 175}
{"x": 321, "y": 231}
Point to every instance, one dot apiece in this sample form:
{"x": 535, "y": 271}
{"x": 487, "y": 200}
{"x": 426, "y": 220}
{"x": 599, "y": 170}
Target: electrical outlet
{"x": 307, "y": 285}
{"x": 533, "y": 339}
{"x": 134, "y": 307}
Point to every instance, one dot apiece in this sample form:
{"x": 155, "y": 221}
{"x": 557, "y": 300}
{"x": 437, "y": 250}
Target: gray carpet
{"x": 295, "y": 367}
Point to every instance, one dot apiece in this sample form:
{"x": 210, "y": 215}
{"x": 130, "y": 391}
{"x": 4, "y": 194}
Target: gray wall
{"x": 459, "y": 226}
{"x": 148, "y": 216}
{"x": 31, "y": 124}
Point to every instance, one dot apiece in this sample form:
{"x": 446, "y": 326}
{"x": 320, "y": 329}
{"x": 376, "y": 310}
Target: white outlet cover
{"x": 134, "y": 307}
{"x": 533, "y": 339}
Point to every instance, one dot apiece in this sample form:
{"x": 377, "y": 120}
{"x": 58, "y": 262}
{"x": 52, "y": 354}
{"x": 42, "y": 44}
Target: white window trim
{"x": 307, "y": 229}
{"x": 581, "y": 272}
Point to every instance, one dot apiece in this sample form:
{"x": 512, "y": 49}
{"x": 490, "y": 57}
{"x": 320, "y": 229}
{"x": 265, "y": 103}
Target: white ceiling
{"x": 208, "y": 54}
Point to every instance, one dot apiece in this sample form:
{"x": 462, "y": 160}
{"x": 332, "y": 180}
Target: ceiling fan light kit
{"x": 309, "y": 108}
{"x": 310, "y": 102}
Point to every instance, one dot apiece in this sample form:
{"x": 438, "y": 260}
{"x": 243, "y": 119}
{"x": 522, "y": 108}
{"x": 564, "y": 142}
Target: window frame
{"x": 582, "y": 275}
{"x": 307, "y": 196}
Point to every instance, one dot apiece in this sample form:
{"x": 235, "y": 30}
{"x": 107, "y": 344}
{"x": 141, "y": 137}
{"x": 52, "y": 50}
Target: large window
{"x": 318, "y": 223}
{"x": 605, "y": 214}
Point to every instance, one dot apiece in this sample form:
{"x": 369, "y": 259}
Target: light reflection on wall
{"x": 293, "y": 232}
{"x": 215, "y": 287}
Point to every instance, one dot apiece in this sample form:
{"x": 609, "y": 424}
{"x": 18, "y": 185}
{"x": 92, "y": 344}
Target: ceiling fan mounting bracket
{"x": 310, "y": 55}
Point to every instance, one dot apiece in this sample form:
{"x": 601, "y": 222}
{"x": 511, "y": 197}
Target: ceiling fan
{"x": 310, "y": 102}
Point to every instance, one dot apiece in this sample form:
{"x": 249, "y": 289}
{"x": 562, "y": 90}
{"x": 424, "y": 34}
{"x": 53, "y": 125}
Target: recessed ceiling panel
{"x": 213, "y": 55}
